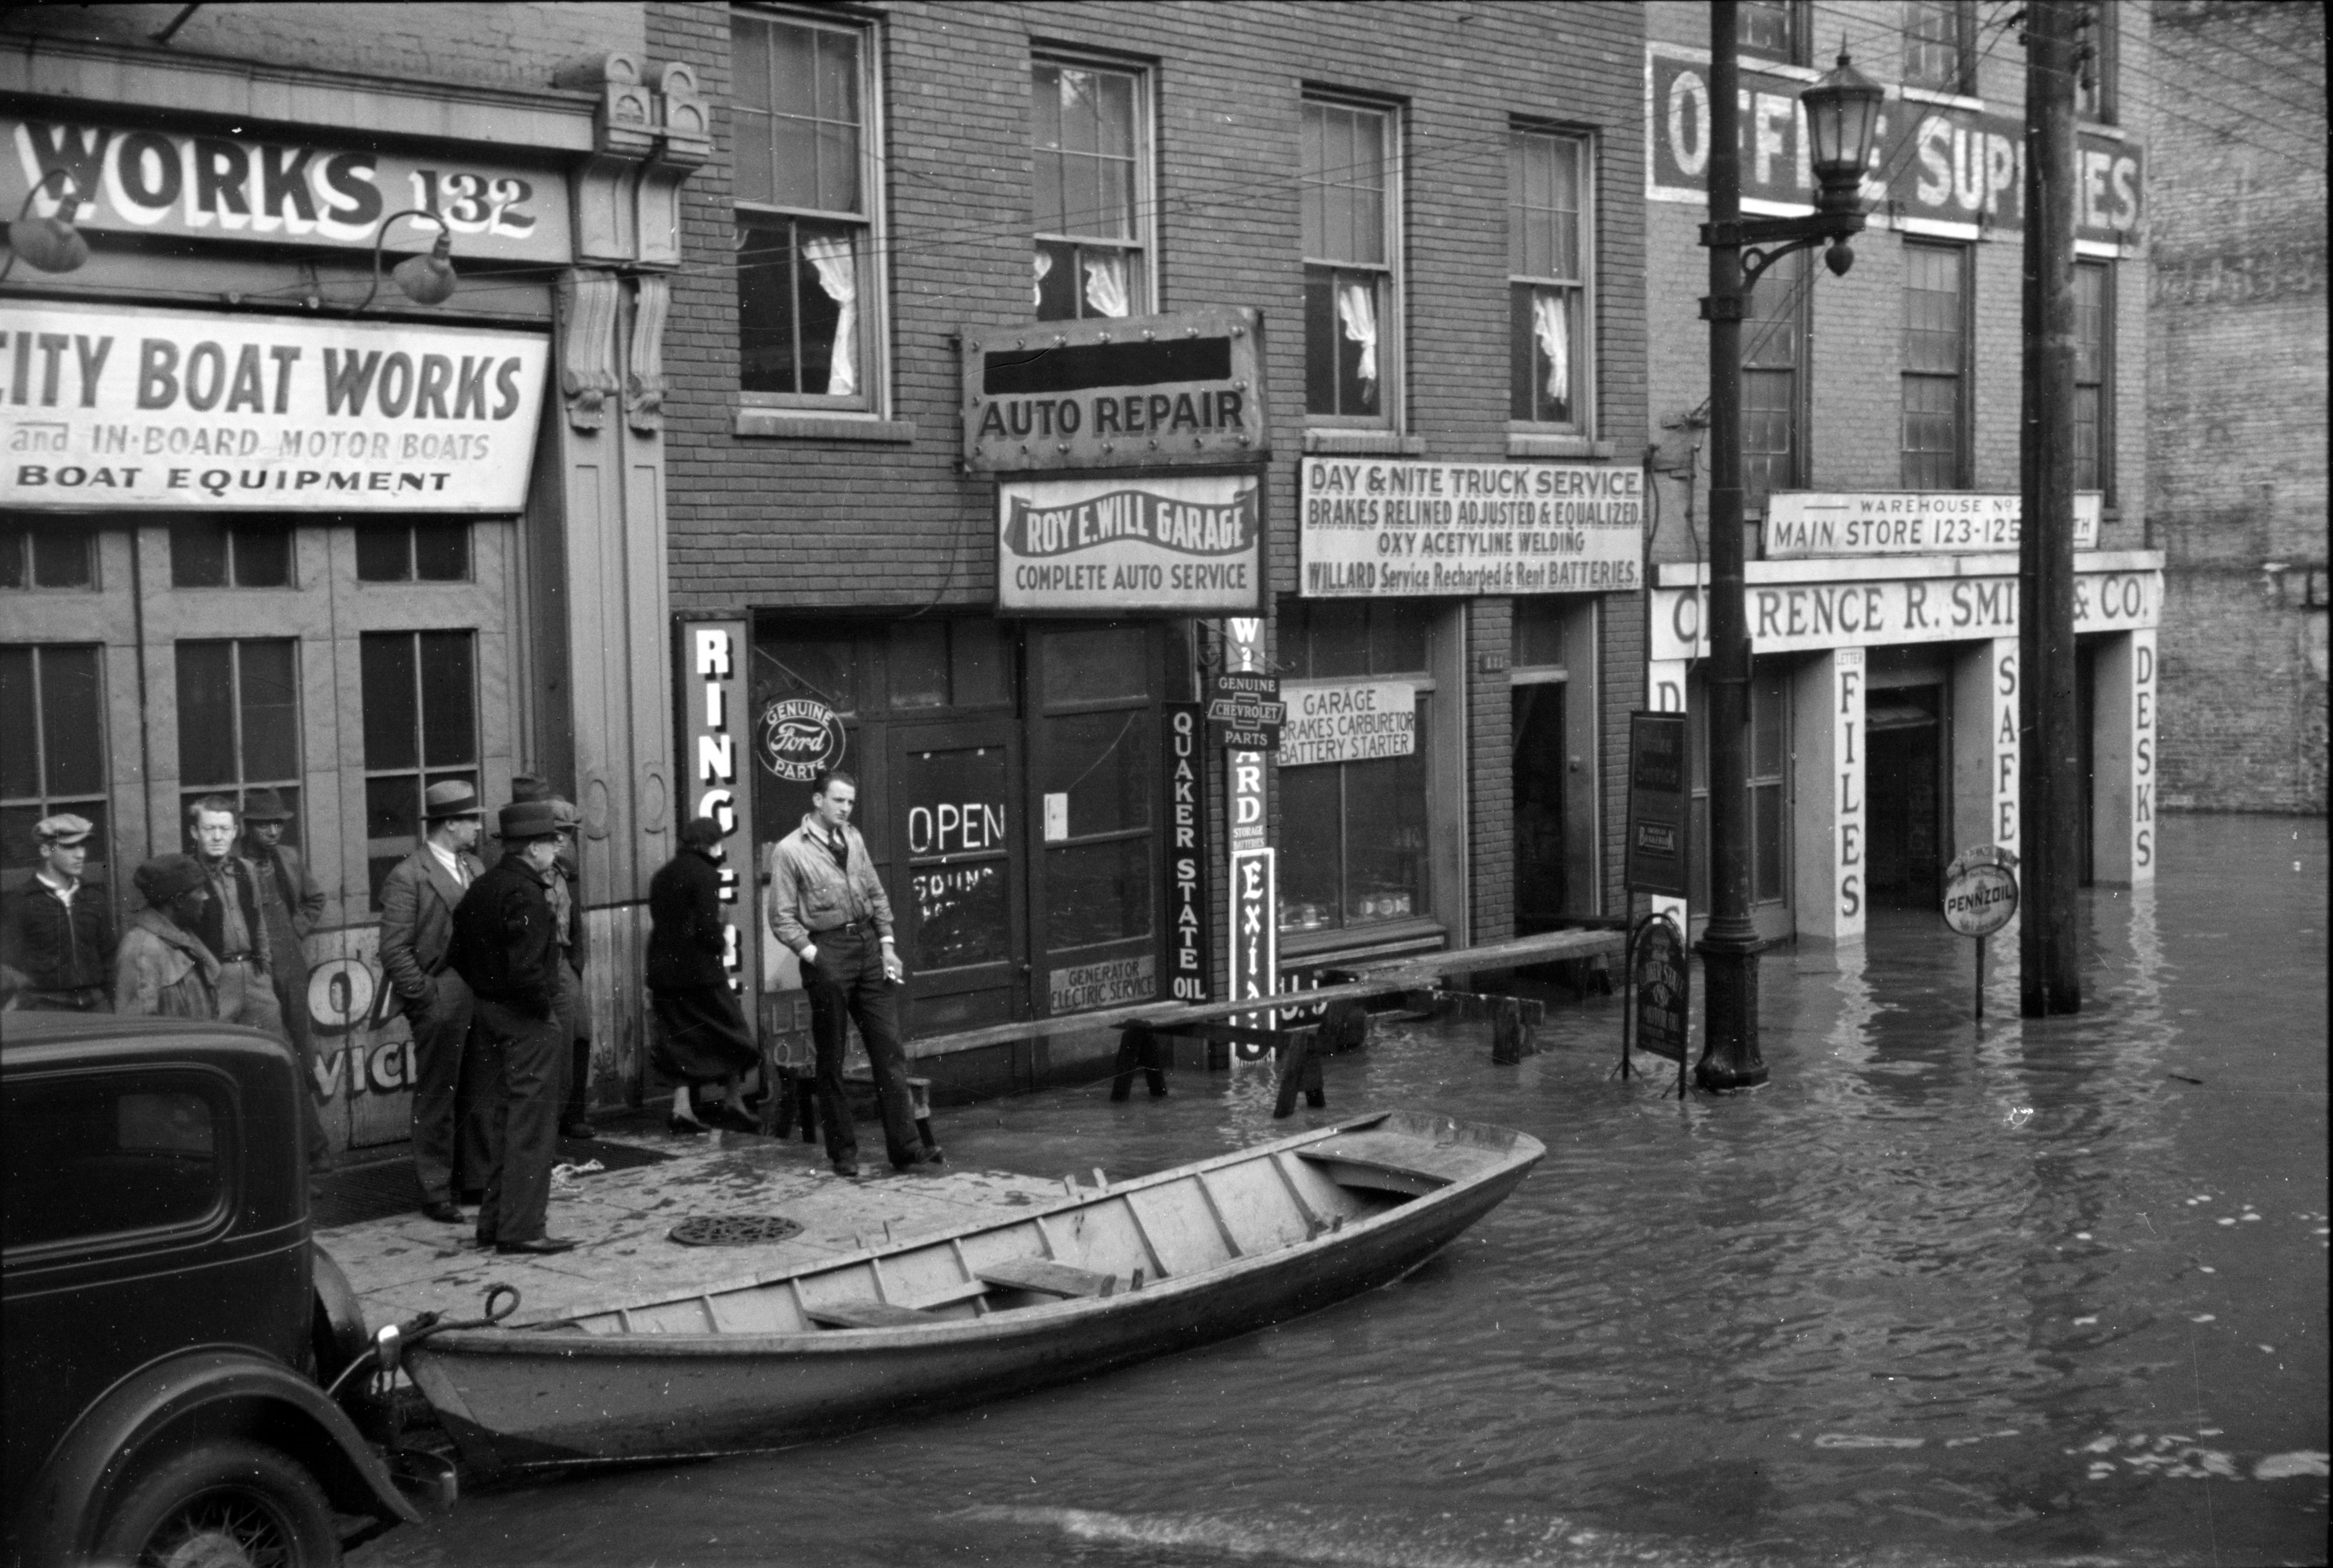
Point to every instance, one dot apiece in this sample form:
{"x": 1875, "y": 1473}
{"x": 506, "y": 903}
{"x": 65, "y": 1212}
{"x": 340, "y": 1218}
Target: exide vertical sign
{"x": 1188, "y": 950}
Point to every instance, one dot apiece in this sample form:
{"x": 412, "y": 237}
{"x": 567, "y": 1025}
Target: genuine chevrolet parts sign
{"x": 111, "y": 408}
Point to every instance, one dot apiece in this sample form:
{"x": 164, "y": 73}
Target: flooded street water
{"x": 2039, "y": 1292}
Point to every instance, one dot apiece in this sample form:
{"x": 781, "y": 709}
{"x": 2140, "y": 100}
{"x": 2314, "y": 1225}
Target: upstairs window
{"x": 1940, "y": 46}
{"x": 1551, "y": 339}
{"x": 1774, "y": 341}
{"x": 2093, "y": 376}
{"x": 2094, "y": 81}
{"x": 809, "y": 301}
{"x": 1351, "y": 282}
{"x": 1772, "y": 30}
{"x": 1089, "y": 127}
{"x": 1935, "y": 367}
{"x": 47, "y": 557}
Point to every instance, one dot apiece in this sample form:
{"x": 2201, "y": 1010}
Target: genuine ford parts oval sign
{"x": 797, "y": 739}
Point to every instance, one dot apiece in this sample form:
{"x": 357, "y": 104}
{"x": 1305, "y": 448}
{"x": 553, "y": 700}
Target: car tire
{"x": 223, "y": 1502}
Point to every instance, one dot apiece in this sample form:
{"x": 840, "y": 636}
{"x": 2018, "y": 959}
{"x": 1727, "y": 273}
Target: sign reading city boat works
{"x": 287, "y": 192}
{"x": 1802, "y": 523}
{"x": 1188, "y": 544}
{"x": 112, "y": 407}
{"x": 1954, "y": 161}
{"x": 1116, "y": 392}
{"x": 1375, "y": 529}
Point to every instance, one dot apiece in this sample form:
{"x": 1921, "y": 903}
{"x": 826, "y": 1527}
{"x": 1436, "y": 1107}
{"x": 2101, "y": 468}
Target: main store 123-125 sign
{"x": 1192, "y": 544}
{"x": 110, "y": 407}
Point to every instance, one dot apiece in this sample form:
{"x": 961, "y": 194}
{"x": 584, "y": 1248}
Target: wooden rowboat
{"x": 1110, "y": 1276}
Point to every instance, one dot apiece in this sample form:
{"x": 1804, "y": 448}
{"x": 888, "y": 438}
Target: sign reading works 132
{"x": 113, "y": 407}
{"x": 1192, "y": 544}
{"x": 279, "y": 191}
{"x": 1114, "y": 392}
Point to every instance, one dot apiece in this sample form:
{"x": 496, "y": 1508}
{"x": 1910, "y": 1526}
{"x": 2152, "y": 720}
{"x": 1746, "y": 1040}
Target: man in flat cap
{"x": 418, "y": 899}
{"x": 57, "y": 933}
{"x": 506, "y": 947}
{"x": 575, "y": 1014}
{"x": 230, "y": 924}
{"x": 164, "y": 968}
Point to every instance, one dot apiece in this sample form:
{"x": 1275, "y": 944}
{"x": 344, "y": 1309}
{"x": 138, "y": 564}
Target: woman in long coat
{"x": 704, "y": 1040}
{"x": 163, "y": 969}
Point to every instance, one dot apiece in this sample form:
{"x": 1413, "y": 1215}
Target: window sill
{"x": 1948, "y": 96}
{"x": 1417, "y": 932}
{"x": 795, "y": 425}
{"x": 1544, "y": 444}
{"x": 1385, "y": 441}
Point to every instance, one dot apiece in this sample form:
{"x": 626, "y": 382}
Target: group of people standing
{"x": 485, "y": 964}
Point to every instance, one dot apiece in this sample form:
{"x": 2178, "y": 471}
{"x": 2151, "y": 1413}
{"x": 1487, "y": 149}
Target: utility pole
{"x": 2049, "y": 775}
{"x": 1729, "y": 946}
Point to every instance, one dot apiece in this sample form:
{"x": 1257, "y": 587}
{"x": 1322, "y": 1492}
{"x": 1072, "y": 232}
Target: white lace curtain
{"x": 1357, "y": 307}
{"x": 838, "y": 274}
{"x": 1552, "y": 324}
{"x": 1106, "y": 283}
{"x": 1037, "y": 285}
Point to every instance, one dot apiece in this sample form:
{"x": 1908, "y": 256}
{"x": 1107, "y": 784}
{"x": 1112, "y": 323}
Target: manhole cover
{"x": 734, "y": 1229}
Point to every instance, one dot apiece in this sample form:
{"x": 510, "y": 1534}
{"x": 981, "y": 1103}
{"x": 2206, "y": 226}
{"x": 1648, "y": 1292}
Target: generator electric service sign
{"x": 1189, "y": 544}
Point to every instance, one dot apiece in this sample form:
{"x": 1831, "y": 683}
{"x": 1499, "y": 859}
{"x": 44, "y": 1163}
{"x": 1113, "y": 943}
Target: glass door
{"x": 957, "y": 899}
{"x": 1093, "y": 720}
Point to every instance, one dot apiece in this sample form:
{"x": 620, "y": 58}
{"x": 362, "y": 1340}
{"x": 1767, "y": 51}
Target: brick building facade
{"x": 2236, "y": 413}
{"x": 1880, "y": 467}
{"x": 831, "y": 517}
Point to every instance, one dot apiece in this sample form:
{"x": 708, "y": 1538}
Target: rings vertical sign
{"x": 716, "y": 758}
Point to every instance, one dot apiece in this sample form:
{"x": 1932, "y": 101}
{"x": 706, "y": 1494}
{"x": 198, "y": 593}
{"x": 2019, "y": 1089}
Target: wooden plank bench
{"x": 1046, "y": 1277}
{"x": 869, "y": 1314}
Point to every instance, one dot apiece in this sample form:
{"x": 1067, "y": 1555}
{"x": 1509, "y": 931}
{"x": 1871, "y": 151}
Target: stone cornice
{"x": 103, "y": 77}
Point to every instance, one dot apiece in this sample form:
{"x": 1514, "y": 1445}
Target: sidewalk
{"x": 405, "y": 1264}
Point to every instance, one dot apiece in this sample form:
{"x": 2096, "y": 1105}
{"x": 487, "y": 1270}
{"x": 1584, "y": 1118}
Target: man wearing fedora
{"x": 506, "y": 946}
{"x": 417, "y": 900}
{"x": 165, "y": 970}
{"x": 57, "y": 933}
{"x": 290, "y": 903}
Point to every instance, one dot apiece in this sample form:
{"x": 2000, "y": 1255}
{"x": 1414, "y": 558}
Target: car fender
{"x": 183, "y": 1397}
{"x": 341, "y": 1333}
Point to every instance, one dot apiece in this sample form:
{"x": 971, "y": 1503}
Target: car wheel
{"x": 223, "y": 1505}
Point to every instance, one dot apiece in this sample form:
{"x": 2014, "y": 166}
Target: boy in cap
{"x": 56, "y": 935}
{"x": 164, "y": 969}
{"x": 418, "y": 899}
{"x": 506, "y": 947}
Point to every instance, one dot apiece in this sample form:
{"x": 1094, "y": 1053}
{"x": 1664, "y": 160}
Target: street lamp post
{"x": 1842, "y": 114}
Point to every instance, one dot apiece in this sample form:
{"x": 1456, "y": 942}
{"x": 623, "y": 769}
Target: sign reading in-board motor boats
{"x": 1116, "y": 392}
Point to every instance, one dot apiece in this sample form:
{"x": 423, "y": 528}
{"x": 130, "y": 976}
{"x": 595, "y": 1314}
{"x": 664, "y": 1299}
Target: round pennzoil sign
{"x": 797, "y": 739}
{"x": 1980, "y": 892}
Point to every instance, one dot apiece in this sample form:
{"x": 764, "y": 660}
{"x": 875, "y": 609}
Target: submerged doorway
{"x": 1903, "y": 729}
{"x": 1542, "y": 887}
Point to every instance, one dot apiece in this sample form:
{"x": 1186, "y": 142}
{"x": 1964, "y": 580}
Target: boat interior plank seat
{"x": 1390, "y": 1162}
{"x": 1045, "y": 1277}
{"x": 869, "y": 1314}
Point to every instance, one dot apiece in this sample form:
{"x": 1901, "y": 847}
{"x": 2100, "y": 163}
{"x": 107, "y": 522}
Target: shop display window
{"x": 1090, "y": 126}
{"x": 420, "y": 728}
{"x": 1770, "y": 787}
{"x": 238, "y": 719}
{"x": 52, "y": 757}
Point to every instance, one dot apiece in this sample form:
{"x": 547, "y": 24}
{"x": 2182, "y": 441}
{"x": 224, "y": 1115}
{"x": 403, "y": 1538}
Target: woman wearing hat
{"x": 163, "y": 969}
{"x": 703, "y": 1041}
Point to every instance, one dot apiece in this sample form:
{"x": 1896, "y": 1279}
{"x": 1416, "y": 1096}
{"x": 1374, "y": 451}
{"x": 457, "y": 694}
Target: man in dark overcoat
{"x": 289, "y": 904}
{"x": 417, "y": 929}
{"x": 506, "y": 947}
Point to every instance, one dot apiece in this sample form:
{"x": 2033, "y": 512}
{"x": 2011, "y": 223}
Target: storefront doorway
{"x": 1543, "y": 886}
{"x": 1008, "y": 783}
{"x": 1905, "y": 785}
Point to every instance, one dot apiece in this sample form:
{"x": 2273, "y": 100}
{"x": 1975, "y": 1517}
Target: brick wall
{"x": 505, "y": 44}
{"x": 2238, "y": 405}
{"x": 761, "y": 521}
